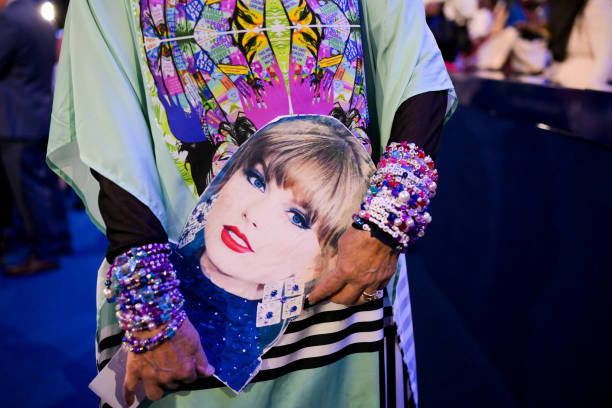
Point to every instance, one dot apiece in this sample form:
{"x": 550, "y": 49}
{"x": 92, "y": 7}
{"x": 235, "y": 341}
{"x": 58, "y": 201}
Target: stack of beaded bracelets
{"x": 400, "y": 190}
{"x": 144, "y": 284}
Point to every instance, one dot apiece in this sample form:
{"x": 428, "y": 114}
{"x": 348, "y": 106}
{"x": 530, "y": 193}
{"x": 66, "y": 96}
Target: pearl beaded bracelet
{"x": 401, "y": 188}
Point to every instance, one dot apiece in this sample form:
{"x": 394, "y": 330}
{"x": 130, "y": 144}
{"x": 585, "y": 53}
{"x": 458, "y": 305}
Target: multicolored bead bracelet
{"x": 143, "y": 283}
{"x": 400, "y": 191}
{"x": 138, "y": 346}
{"x": 150, "y": 315}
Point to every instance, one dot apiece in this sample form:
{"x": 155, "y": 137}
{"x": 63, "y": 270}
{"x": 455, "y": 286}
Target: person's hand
{"x": 178, "y": 360}
{"x": 364, "y": 263}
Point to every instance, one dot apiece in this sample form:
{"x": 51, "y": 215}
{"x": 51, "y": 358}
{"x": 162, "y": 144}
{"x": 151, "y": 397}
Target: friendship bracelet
{"x": 139, "y": 346}
{"x": 136, "y": 323}
{"x": 141, "y": 317}
{"x": 396, "y": 202}
{"x": 143, "y": 283}
{"x": 376, "y": 232}
{"x": 131, "y": 296}
{"x": 145, "y": 258}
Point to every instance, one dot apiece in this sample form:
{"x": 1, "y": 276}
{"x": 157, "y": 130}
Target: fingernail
{"x": 210, "y": 370}
{"x": 309, "y": 303}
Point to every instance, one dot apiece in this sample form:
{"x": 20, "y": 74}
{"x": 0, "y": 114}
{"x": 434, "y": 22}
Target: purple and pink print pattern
{"x": 225, "y": 68}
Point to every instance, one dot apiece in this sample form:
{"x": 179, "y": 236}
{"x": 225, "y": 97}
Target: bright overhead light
{"x": 47, "y": 11}
{"x": 543, "y": 126}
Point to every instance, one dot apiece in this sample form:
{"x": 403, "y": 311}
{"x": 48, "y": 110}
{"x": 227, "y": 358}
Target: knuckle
{"x": 184, "y": 373}
{"x": 131, "y": 387}
{"x": 149, "y": 373}
{"x": 190, "y": 378}
{"x": 165, "y": 378}
{"x": 344, "y": 269}
{"x": 367, "y": 281}
{"x": 154, "y": 393}
{"x": 133, "y": 366}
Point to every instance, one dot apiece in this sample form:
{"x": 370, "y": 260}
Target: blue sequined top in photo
{"x": 226, "y": 324}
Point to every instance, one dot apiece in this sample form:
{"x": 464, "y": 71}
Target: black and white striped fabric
{"x": 402, "y": 309}
{"x": 322, "y": 335}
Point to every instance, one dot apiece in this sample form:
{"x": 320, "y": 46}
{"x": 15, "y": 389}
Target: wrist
{"x": 377, "y": 233}
{"x": 395, "y": 206}
{"x": 147, "y": 334}
{"x": 149, "y": 306}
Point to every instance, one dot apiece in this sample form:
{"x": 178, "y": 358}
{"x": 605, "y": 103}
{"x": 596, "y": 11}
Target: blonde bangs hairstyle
{"x": 320, "y": 160}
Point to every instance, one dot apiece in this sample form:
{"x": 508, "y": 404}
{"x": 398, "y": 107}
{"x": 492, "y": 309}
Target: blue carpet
{"x": 48, "y": 327}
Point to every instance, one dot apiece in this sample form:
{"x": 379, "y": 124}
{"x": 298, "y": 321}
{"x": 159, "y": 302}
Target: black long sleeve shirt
{"x": 131, "y": 223}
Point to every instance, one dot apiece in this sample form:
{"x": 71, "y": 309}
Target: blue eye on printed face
{"x": 299, "y": 219}
{"x": 256, "y": 179}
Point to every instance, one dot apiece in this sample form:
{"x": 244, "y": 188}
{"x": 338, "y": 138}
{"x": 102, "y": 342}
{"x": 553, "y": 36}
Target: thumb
{"x": 129, "y": 385}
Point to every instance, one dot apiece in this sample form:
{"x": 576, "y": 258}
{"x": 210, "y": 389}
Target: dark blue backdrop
{"x": 511, "y": 286}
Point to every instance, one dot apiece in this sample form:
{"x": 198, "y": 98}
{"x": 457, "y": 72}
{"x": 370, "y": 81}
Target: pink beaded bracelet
{"x": 401, "y": 188}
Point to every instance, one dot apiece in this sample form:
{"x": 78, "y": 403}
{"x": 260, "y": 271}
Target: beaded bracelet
{"x": 143, "y": 283}
{"x": 135, "y": 323}
{"x": 143, "y": 345}
{"x": 401, "y": 188}
{"x": 149, "y": 316}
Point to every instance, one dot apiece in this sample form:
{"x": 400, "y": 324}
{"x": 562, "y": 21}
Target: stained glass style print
{"x": 225, "y": 68}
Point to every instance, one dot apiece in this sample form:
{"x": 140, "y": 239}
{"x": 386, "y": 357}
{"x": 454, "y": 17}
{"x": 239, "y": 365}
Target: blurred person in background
{"x": 447, "y": 20}
{"x": 581, "y": 43}
{"x": 513, "y": 34}
{"x": 27, "y": 57}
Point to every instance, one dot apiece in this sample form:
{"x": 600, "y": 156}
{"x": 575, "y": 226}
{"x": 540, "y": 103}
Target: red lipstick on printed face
{"x": 232, "y": 243}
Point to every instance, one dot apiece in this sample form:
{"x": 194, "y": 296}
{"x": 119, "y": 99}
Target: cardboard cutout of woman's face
{"x": 257, "y": 232}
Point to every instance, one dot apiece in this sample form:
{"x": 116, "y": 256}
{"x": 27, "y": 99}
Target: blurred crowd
{"x": 564, "y": 42}
{"x": 34, "y": 231}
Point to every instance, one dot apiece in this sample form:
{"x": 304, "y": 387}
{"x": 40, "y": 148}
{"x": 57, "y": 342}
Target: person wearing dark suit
{"x": 27, "y": 58}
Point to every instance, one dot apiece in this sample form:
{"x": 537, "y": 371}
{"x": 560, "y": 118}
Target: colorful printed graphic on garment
{"x": 225, "y": 68}
{"x": 263, "y": 232}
